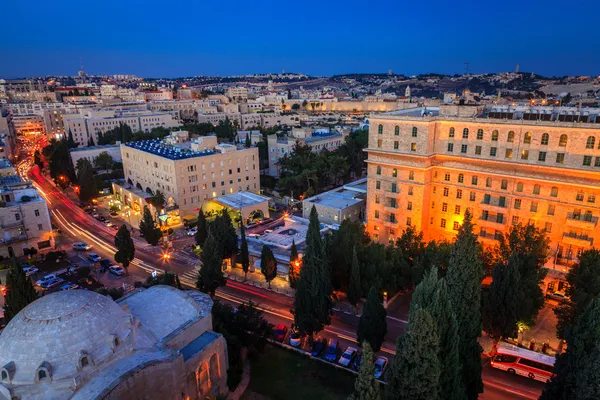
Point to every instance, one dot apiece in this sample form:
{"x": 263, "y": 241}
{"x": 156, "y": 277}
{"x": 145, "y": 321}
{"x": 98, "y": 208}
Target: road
{"x": 76, "y": 225}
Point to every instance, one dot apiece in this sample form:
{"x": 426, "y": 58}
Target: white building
{"x": 92, "y": 152}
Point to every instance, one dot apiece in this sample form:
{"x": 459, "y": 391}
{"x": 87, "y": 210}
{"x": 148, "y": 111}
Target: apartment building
{"x": 24, "y": 217}
{"x": 239, "y": 94}
{"x": 160, "y": 94}
{"x": 90, "y": 153}
{"x": 505, "y": 165}
{"x": 189, "y": 174}
{"x": 29, "y": 124}
{"x": 318, "y": 140}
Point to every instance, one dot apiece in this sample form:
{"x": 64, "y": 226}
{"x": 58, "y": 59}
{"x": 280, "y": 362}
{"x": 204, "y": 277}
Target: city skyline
{"x": 334, "y": 38}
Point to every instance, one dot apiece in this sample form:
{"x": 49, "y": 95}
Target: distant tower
{"x": 517, "y": 69}
{"x": 407, "y": 91}
{"x": 390, "y": 72}
{"x": 467, "y": 68}
{"x": 282, "y": 71}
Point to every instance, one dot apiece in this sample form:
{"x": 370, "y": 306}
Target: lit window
{"x": 494, "y": 135}
{"x": 527, "y": 138}
{"x": 465, "y": 133}
{"x": 508, "y": 153}
{"x": 511, "y": 137}
{"x": 455, "y": 226}
{"x": 443, "y": 223}
{"x": 479, "y": 134}
{"x": 524, "y": 154}
{"x": 591, "y": 141}
{"x": 413, "y": 147}
{"x": 560, "y": 158}
{"x": 545, "y": 139}
{"x": 562, "y": 142}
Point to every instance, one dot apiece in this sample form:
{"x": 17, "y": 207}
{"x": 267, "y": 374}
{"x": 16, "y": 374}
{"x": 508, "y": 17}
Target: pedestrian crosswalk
{"x": 190, "y": 276}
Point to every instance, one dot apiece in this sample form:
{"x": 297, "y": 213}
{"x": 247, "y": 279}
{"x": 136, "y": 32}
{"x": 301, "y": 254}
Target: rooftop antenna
{"x": 467, "y": 68}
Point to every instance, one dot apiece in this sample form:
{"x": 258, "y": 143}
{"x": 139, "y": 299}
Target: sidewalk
{"x": 256, "y": 279}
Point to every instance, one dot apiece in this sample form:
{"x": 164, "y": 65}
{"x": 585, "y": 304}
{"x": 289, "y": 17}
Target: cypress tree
{"x": 125, "y": 248}
{"x": 85, "y": 177}
{"x": 245, "y": 261}
{"x": 354, "y": 290}
{"x": 312, "y": 303}
{"x": 224, "y": 232}
{"x": 70, "y": 142}
{"x": 366, "y": 386}
{"x": 464, "y": 275}
{"x": 577, "y": 372}
{"x": 19, "y": 290}
{"x": 248, "y": 143}
{"x": 210, "y": 276}
{"x": 432, "y": 294}
{"x": 148, "y": 228}
{"x": 501, "y": 305}
{"x": 268, "y": 264}
{"x": 372, "y": 326}
{"x": 202, "y": 228}
{"x": 415, "y": 371}
{"x": 294, "y": 265}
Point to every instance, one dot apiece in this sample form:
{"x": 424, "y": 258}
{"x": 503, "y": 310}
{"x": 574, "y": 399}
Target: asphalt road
{"x": 76, "y": 225}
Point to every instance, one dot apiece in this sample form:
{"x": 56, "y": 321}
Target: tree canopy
{"x": 125, "y": 248}
{"x": 372, "y": 326}
{"x": 148, "y": 228}
{"x": 19, "y": 290}
{"x": 85, "y": 178}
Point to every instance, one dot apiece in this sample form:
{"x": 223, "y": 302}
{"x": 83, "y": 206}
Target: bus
{"x": 519, "y": 361}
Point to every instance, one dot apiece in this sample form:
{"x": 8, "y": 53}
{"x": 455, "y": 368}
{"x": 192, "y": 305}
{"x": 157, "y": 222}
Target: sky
{"x": 206, "y": 37}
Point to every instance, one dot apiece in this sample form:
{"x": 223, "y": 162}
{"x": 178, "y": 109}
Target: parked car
{"x": 72, "y": 270}
{"x": 295, "y": 338}
{"x": 94, "y": 258}
{"x": 268, "y": 231}
{"x": 355, "y": 364}
{"x": 114, "y": 213}
{"x": 105, "y": 264}
{"x": 331, "y": 352}
{"x": 347, "y": 356}
{"x": 556, "y": 296}
{"x": 30, "y": 270}
{"x": 280, "y": 332}
{"x": 108, "y": 223}
{"x": 49, "y": 284}
{"x": 192, "y": 231}
{"x": 380, "y": 365}
{"x": 317, "y": 347}
{"x": 69, "y": 286}
{"x": 115, "y": 227}
{"x": 45, "y": 279}
{"x": 102, "y": 218}
{"x": 81, "y": 246}
{"x": 117, "y": 270}
{"x": 95, "y": 214}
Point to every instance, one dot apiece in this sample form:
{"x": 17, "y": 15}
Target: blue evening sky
{"x": 207, "y": 37}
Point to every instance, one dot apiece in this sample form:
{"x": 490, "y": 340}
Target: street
{"x": 76, "y": 225}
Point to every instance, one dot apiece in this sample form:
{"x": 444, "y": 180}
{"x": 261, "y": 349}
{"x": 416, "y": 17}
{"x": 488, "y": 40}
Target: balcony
{"x": 390, "y": 224}
{"x": 493, "y": 206}
{"x": 487, "y": 236}
{"x": 578, "y": 240}
{"x": 9, "y": 225}
{"x": 492, "y": 223}
{"x": 581, "y": 221}
{"x": 391, "y": 209}
{"x": 14, "y": 239}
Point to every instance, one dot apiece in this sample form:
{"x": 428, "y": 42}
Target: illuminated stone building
{"x": 507, "y": 165}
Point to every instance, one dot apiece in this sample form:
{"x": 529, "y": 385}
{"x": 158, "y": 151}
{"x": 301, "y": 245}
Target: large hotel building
{"x": 507, "y": 165}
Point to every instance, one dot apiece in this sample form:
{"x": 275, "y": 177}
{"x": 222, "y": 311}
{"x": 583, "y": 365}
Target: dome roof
{"x": 57, "y": 329}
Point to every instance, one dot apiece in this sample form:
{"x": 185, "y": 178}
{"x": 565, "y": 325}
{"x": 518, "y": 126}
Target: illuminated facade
{"x": 427, "y": 169}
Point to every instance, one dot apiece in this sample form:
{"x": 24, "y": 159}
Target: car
{"x": 95, "y": 214}
{"x": 115, "y": 227}
{"x": 105, "y": 263}
{"x": 81, "y": 246}
{"x": 69, "y": 286}
{"x": 280, "y": 332}
{"x": 331, "y": 352}
{"x": 49, "y": 284}
{"x": 29, "y": 270}
{"x": 317, "y": 346}
{"x": 556, "y": 296}
{"x": 94, "y": 258}
{"x": 45, "y": 278}
{"x": 114, "y": 213}
{"x": 108, "y": 223}
{"x": 295, "y": 338}
{"x": 117, "y": 270}
{"x": 355, "y": 364}
{"x": 380, "y": 365}
{"x": 254, "y": 235}
{"x": 268, "y": 231}
{"x": 102, "y": 218}
{"x": 72, "y": 270}
{"x": 347, "y": 356}
{"x": 192, "y": 231}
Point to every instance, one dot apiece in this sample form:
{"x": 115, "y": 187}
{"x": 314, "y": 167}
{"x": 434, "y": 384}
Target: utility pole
{"x": 467, "y": 68}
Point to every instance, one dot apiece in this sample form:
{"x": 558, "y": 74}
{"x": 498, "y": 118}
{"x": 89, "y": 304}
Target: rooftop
{"x": 162, "y": 149}
{"x": 198, "y": 344}
{"x": 5, "y": 163}
{"x": 338, "y": 199}
{"x": 97, "y": 147}
{"x": 241, "y": 199}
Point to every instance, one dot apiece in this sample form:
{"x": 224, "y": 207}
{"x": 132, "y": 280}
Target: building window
{"x": 579, "y": 196}
{"x": 524, "y": 154}
{"x": 40, "y": 227}
{"x": 377, "y": 185}
{"x": 560, "y": 158}
{"x": 500, "y": 218}
{"x": 508, "y": 153}
{"x": 534, "y": 206}
{"x": 396, "y": 144}
{"x": 515, "y": 220}
{"x": 493, "y": 151}
{"x": 376, "y": 213}
{"x": 379, "y": 143}
{"x": 397, "y": 130}
{"x": 380, "y": 129}
{"x": 463, "y": 148}
{"x": 519, "y": 186}
{"x": 597, "y": 162}
{"x": 504, "y": 184}
{"x": 511, "y": 137}
{"x": 457, "y": 210}
{"x": 472, "y": 196}
{"x": 548, "y": 227}
{"x": 414, "y": 131}
{"x": 461, "y": 178}
{"x": 502, "y": 201}
{"x": 587, "y": 161}
{"x": 554, "y": 191}
{"x": 394, "y": 188}
{"x": 392, "y": 218}
{"x": 377, "y": 199}
{"x": 527, "y": 138}
{"x": 562, "y": 142}
{"x": 450, "y": 147}
{"x": 410, "y": 191}
{"x": 444, "y": 207}
{"x": 479, "y": 134}
{"x": 408, "y": 221}
{"x": 477, "y": 150}
{"x": 378, "y": 170}
{"x": 551, "y": 209}
{"x": 394, "y": 173}
{"x": 517, "y": 205}
{"x": 474, "y": 180}
{"x": 411, "y": 176}
{"x": 591, "y": 198}
{"x": 542, "y": 156}
{"x": 455, "y": 226}
{"x": 485, "y": 215}
{"x": 446, "y": 192}
{"x": 591, "y": 141}
{"x": 413, "y": 147}
{"x": 545, "y": 139}
{"x": 536, "y": 189}
{"x": 494, "y": 135}
{"x": 459, "y": 193}
{"x": 443, "y": 223}
{"x": 488, "y": 182}
{"x": 409, "y": 205}
{"x": 447, "y": 177}
{"x": 486, "y": 198}
{"x": 465, "y": 133}
{"x": 37, "y": 213}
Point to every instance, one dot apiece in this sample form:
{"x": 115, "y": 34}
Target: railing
{"x": 8, "y": 225}
{"x": 582, "y": 219}
{"x": 14, "y": 239}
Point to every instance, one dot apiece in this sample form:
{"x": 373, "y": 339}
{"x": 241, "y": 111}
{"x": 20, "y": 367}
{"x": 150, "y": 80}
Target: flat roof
{"x": 198, "y": 344}
{"x": 241, "y": 199}
{"x": 416, "y": 112}
{"x": 358, "y": 186}
{"x": 339, "y": 199}
{"x": 510, "y": 349}
{"x": 97, "y": 147}
{"x": 162, "y": 149}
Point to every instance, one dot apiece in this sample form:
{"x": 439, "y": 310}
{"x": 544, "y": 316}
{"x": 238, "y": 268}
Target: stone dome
{"x": 56, "y": 331}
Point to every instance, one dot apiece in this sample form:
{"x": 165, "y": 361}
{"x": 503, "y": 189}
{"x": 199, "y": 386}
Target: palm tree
{"x": 158, "y": 200}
